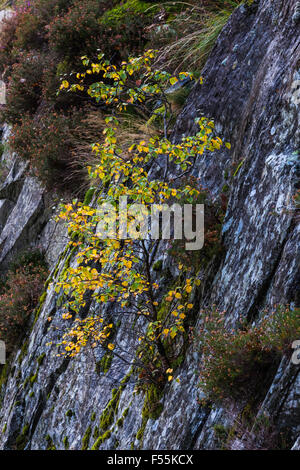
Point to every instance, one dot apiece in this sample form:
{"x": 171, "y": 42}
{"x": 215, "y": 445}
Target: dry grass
{"x": 191, "y": 35}
{"x": 131, "y": 130}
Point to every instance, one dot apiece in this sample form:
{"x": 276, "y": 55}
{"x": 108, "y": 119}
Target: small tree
{"x": 121, "y": 271}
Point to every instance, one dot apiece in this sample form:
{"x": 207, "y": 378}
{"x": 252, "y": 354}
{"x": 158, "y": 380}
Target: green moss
{"x": 86, "y": 438}
{"x": 93, "y": 416}
{"x": 26, "y": 381}
{"x": 62, "y": 68}
{"x": 106, "y": 435}
{"x": 126, "y": 378}
{"x": 107, "y": 417}
{"x": 120, "y": 422}
{"x": 23, "y": 352}
{"x": 97, "y": 444}
{"x": 177, "y": 362}
{"x": 69, "y": 413}
{"x": 22, "y": 438}
{"x": 88, "y": 196}
{"x": 61, "y": 257}
{"x": 109, "y": 413}
{"x": 31, "y": 394}
{"x": 42, "y": 298}
{"x": 48, "y": 282}
{"x": 96, "y": 432}
{"x": 220, "y": 431}
{"x": 225, "y": 188}
{"x": 60, "y": 300}
{"x": 140, "y": 434}
{"x": 40, "y": 306}
{"x": 4, "y": 428}
{"x": 66, "y": 442}
{"x": 68, "y": 261}
{"x": 132, "y": 445}
{"x": 101, "y": 439}
{"x": 152, "y": 408}
{"x": 4, "y": 375}
{"x": 50, "y": 444}
{"x": 125, "y": 413}
{"x": 118, "y": 14}
{"x": 158, "y": 265}
{"x": 104, "y": 364}
{"x": 2, "y": 148}
{"x": 41, "y": 358}
{"x": 33, "y": 378}
{"x": 116, "y": 444}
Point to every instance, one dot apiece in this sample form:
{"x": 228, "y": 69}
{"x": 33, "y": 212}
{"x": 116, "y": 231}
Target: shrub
{"x": 26, "y": 28}
{"x": 7, "y": 38}
{"x": 77, "y": 29}
{"x": 46, "y": 9}
{"x": 239, "y": 364}
{"x": 30, "y": 30}
{"x": 50, "y": 83}
{"x": 88, "y": 25}
{"x": 282, "y": 327}
{"x": 127, "y": 23}
{"x": 32, "y": 257}
{"x": 48, "y": 145}
{"x": 24, "y": 88}
{"x": 18, "y": 299}
{"x": 41, "y": 41}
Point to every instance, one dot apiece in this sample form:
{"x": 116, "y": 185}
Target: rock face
{"x": 50, "y": 401}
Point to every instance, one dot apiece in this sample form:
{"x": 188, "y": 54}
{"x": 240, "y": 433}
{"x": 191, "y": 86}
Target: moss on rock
{"x": 86, "y": 438}
{"x": 22, "y": 438}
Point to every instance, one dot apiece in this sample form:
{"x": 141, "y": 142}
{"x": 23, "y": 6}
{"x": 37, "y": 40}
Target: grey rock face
{"x": 248, "y": 92}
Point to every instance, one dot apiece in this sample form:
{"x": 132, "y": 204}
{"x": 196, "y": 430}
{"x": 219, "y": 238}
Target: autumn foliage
{"x": 121, "y": 271}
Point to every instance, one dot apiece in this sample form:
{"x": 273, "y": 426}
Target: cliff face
{"x": 50, "y": 401}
